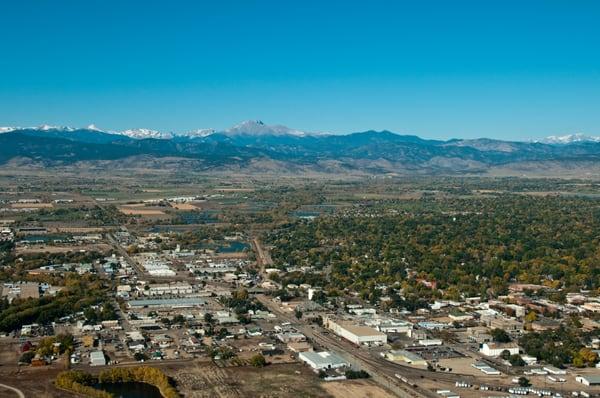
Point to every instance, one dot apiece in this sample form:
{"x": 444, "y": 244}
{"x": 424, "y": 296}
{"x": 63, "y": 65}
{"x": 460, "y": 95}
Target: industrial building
{"x": 322, "y": 360}
{"x": 97, "y": 358}
{"x": 354, "y": 333}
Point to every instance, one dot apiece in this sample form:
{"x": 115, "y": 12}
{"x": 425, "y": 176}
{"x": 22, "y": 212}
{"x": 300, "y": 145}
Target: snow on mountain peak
{"x": 257, "y": 127}
{"x": 570, "y": 138}
{"x": 47, "y": 127}
{"x": 198, "y": 133}
{"x": 145, "y": 133}
{"x": 92, "y": 127}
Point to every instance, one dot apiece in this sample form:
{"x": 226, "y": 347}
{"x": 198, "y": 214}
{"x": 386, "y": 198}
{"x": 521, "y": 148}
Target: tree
{"x": 505, "y": 354}
{"x": 140, "y": 356}
{"x": 524, "y": 381}
{"x": 531, "y": 317}
{"x": 258, "y": 361}
{"x": 516, "y": 360}
{"x": 298, "y": 313}
{"x": 500, "y": 336}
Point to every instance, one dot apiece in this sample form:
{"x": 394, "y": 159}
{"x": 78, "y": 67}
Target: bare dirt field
{"x": 32, "y": 249}
{"x": 355, "y": 388}
{"x": 203, "y": 380}
{"x": 185, "y": 206}
{"x": 31, "y": 205}
{"x": 130, "y": 211}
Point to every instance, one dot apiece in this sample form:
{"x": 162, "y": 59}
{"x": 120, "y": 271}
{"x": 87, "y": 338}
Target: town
{"x": 194, "y": 285}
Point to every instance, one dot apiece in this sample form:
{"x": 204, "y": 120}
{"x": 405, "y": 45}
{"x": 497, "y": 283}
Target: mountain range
{"x": 253, "y": 146}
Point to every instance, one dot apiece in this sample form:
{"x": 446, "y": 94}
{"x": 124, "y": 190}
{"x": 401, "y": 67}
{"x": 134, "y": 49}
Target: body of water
{"x": 130, "y": 390}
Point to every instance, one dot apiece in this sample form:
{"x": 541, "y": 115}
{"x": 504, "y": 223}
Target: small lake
{"x": 130, "y": 390}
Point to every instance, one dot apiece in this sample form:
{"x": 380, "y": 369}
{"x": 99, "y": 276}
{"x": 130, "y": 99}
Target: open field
{"x": 355, "y": 388}
{"x": 184, "y": 206}
{"x": 130, "y": 211}
{"x": 31, "y": 205}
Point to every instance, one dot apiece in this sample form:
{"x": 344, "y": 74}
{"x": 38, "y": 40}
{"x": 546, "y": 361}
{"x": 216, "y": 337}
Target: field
{"x": 355, "y": 388}
{"x": 132, "y": 211}
{"x": 31, "y": 205}
{"x": 184, "y": 206}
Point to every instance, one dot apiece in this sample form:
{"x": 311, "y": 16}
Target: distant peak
{"x": 570, "y": 138}
{"x": 198, "y": 133}
{"x": 258, "y": 128}
{"x": 143, "y": 133}
{"x": 92, "y": 127}
{"x": 8, "y": 129}
{"x": 47, "y": 127}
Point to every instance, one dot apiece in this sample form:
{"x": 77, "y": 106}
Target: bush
{"x": 357, "y": 374}
{"x": 258, "y": 361}
{"x": 27, "y": 357}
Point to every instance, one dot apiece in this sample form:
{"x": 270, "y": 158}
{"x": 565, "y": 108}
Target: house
{"x": 496, "y": 349}
{"x": 322, "y": 360}
{"x": 97, "y": 358}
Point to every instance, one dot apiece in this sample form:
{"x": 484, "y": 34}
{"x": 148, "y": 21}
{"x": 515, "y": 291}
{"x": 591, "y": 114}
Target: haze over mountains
{"x": 254, "y": 146}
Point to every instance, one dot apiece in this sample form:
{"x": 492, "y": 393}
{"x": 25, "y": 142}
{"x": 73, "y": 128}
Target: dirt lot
{"x": 204, "y": 380}
{"x": 355, "y": 388}
{"x": 31, "y": 205}
{"x": 131, "y": 211}
{"x": 32, "y": 249}
{"x": 185, "y": 206}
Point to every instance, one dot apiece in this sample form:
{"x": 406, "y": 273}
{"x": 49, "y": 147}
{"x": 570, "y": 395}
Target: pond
{"x": 130, "y": 390}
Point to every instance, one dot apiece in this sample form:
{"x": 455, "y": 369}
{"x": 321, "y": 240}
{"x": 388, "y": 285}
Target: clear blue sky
{"x": 505, "y": 69}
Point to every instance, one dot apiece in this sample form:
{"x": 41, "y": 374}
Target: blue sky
{"x": 438, "y": 69}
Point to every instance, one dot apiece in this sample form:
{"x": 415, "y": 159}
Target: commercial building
{"x": 322, "y": 360}
{"x": 187, "y": 302}
{"x": 97, "y": 358}
{"x": 354, "y": 333}
{"x": 496, "y": 349}
{"x": 589, "y": 380}
{"x": 406, "y": 356}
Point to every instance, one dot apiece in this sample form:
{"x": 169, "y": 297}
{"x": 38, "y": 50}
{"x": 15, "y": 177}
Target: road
{"x": 13, "y": 389}
{"x": 263, "y": 258}
{"x": 381, "y": 373}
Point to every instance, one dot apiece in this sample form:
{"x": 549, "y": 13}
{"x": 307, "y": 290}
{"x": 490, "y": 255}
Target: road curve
{"x": 15, "y": 390}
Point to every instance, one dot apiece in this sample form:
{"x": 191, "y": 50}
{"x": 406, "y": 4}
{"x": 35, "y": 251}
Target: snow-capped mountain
{"x": 570, "y": 138}
{"x": 145, "y": 133}
{"x": 199, "y": 133}
{"x": 257, "y": 127}
{"x": 47, "y": 127}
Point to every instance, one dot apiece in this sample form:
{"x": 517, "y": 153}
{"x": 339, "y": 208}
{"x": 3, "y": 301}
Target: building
{"x": 322, "y": 360}
{"x": 354, "y": 333}
{"x": 160, "y": 289}
{"x": 188, "y": 302}
{"x": 299, "y": 346}
{"x": 496, "y": 349}
{"x": 589, "y": 380}
{"x": 554, "y": 370}
{"x": 406, "y": 356}
{"x": 97, "y": 358}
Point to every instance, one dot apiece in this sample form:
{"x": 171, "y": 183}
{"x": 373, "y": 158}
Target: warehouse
{"x": 354, "y": 333}
{"x": 322, "y": 360}
{"x": 97, "y": 358}
{"x": 187, "y": 302}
